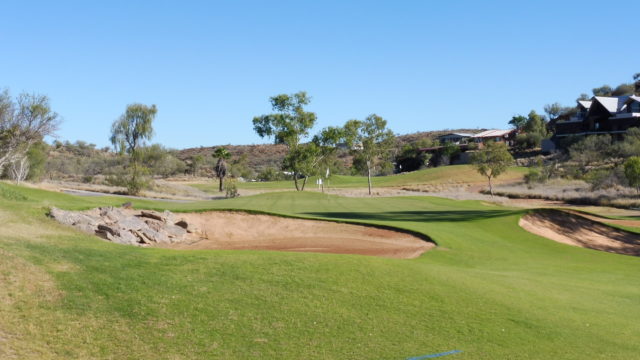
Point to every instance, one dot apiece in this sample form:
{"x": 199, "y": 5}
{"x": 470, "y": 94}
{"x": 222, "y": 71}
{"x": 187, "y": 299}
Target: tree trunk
{"x": 295, "y": 180}
{"x": 369, "y": 175}
{"x": 304, "y": 182}
{"x": 221, "y": 178}
{"x": 490, "y": 187}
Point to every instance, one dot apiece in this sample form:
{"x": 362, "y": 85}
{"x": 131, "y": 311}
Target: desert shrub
{"x": 270, "y": 174}
{"x": 535, "y": 175}
{"x": 591, "y": 150}
{"x": 630, "y": 146}
{"x": 134, "y": 181}
{"x": 605, "y": 178}
{"x": 632, "y": 172}
{"x": 239, "y": 167}
{"x": 231, "y": 188}
{"x": 162, "y": 162}
{"x": 528, "y": 141}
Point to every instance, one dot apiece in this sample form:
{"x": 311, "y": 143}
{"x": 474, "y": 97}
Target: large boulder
{"x": 125, "y": 226}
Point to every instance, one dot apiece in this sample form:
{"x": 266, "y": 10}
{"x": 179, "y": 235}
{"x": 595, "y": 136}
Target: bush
{"x": 528, "y": 141}
{"x": 134, "y": 181}
{"x": 535, "y": 175}
{"x": 231, "y": 188}
{"x": 606, "y": 178}
{"x": 270, "y": 174}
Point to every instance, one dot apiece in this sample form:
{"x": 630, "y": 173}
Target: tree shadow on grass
{"x": 416, "y": 216}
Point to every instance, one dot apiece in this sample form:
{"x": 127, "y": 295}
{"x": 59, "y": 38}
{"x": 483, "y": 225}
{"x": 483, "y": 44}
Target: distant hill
{"x": 271, "y": 155}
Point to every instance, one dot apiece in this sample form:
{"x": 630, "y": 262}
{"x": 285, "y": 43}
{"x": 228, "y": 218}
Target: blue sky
{"x": 211, "y": 66}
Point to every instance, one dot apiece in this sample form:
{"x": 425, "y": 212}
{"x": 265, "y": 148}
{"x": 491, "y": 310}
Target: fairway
{"x": 489, "y": 289}
{"x": 445, "y": 175}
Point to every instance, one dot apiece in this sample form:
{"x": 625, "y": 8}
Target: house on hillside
{"x": 454, "y": 138}
{"x": 600, "y": 115}
{"x": 506, "y": 136}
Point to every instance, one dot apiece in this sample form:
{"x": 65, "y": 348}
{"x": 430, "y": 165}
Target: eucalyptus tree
{"x": 288, "y": 125}
{"x": 221, "y": 166}
{"x": 314, "y": 157}
{"x": 23, "y": 122}
{"x": 128, "y": 134}
{"x": 370, "y": 141}
{"x": 492, "y": 161}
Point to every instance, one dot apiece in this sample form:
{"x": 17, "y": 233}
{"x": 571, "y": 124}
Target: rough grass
{"x": 491, "y": 289}
{"x": 452, "y": 175}
{"x": 573, "y": 192}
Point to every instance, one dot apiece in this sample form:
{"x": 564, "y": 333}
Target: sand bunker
{"x": 242, "y": 231}
{"x": 576, "y": 230}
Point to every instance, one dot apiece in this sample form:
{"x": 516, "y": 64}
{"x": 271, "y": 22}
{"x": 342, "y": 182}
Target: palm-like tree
{"x": 221, "y": 166}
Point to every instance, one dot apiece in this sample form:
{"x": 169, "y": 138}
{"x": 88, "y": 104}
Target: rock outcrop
{"x": 127, "y": 226}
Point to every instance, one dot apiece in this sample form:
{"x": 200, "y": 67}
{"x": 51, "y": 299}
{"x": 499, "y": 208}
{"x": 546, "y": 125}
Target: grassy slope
{"x": 490, "y": 289}
{"x": 439, "y": 175}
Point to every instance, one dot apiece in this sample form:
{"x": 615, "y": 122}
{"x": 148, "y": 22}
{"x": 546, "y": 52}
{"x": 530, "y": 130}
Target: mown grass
{"x": 490, "y": 289}
{"x": 439, "y": 175}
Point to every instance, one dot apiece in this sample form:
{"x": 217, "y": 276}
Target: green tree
{"x": 289, "y": 125}
{"x": 370, "y": 141}
{"x": 535, "y": 124}
{"x": 196, "y": 163}
{"x": 623, "y": 89}
{"x": 492, "y": 161}
{"x": 128, "y": 135}
{"x": 37, "y": 156}
{"x": 636, "y": 84}
{"x": 518, "y": 121}
{"x": 632, "y": 172}
{"x": 411, "y": 158}
{"x": 556, "y": 110}
{"x": 221, "y": 165}
{"x": 583, "y": 97}
{"x": 315, "y": 157}
{"x": 604, "y": 90}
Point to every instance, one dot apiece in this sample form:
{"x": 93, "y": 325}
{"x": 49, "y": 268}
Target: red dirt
{"x": 241, "y": 231}
{"x": 577, "y": 230}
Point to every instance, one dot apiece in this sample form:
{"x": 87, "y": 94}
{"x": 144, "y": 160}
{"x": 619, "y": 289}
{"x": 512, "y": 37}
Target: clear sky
{"x": 211, "y": 66}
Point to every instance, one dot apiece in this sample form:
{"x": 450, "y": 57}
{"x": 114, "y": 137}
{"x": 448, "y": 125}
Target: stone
{"x": 152, "y": 215}
{"x": 157, "y": 236}
{"x": 185, "y": 225}
{"x": 175, "y": 231}
{"x": 112, "y": 214}
{"x": 108, "y": 229}
{"x": 122, "y": 227}
{"x": 132, "y": 222}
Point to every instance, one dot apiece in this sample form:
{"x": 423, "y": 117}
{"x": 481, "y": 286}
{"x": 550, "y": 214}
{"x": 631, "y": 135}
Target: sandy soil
{"x": 621, "y": 222}
{"x": 242, "y": 231}
{"x": 573, "y": 229}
